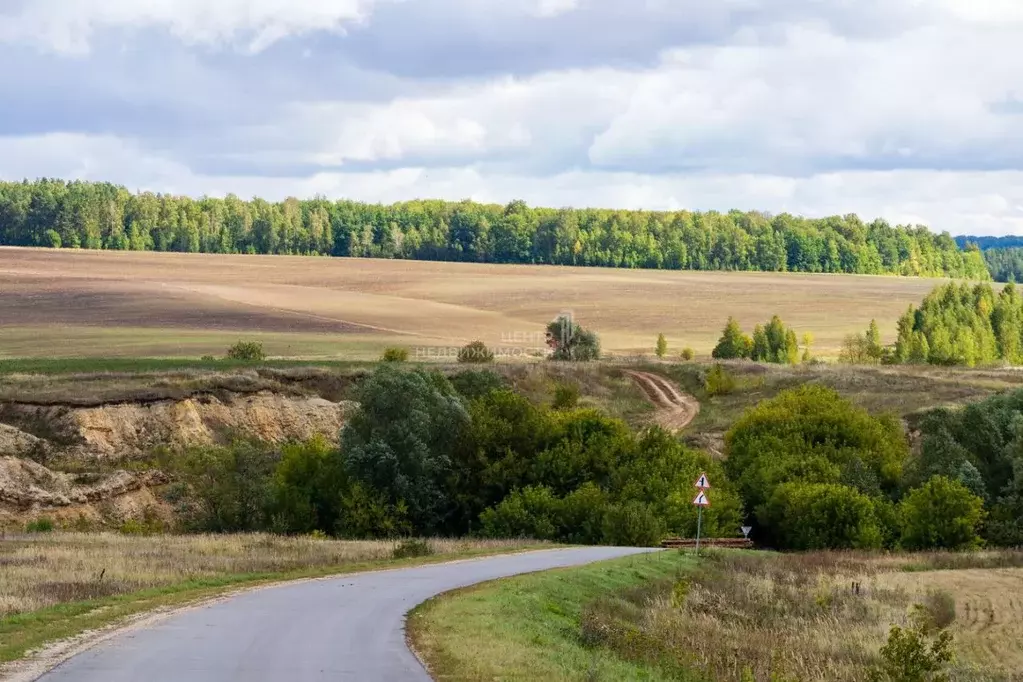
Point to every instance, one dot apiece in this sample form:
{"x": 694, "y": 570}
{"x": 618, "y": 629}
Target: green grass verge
{"x": 528, "y": 627}
{"x": 26, "y": 632}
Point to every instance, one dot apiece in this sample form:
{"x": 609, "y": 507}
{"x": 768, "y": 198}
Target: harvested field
{"x": 103, "y": 303}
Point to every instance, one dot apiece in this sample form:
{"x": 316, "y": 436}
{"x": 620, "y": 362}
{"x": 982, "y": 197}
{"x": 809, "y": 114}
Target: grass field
{"x": 123, "y": 304}
{"x": 734, "y": 616}
{"x": 54, "y": 585}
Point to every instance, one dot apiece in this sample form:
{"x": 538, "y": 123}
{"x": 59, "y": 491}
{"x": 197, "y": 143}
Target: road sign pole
{"x": 699, "y": 524}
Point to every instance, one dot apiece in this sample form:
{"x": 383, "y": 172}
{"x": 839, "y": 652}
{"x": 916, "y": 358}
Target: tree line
{"x": 54, "y": 213}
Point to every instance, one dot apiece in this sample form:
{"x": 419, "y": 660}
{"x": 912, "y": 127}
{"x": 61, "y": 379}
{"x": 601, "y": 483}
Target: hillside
{"x": 74, "y": 303}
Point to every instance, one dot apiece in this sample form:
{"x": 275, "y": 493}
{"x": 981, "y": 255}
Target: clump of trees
{"x": 90, "y": 215}
{"x": 422, "y": 457}
{"x": 771, "y": 342}
{"x": 816, "y": 472}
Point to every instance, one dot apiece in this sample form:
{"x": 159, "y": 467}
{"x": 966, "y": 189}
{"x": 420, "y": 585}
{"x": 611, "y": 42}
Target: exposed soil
{"x": 675, "y": 409}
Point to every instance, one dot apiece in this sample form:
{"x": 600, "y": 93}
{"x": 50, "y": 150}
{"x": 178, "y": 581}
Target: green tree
{"x": 941, "y": 514}
{"x": 569, "y": 341}
{"x": 662, "y": 346}
{"x": 475, "y": 352}
{"x": 733, "y": 343}
{"x": 400, "y": 439}
{"x": 808, "y": 516}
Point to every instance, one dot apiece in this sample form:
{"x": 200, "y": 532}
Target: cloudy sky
{"x": 907, "y": 109}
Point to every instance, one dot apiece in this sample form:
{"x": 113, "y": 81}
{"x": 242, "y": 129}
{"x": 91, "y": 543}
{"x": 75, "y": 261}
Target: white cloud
{"x": 68, "y": 25}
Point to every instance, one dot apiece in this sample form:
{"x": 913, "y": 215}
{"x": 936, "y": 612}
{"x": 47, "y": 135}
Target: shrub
{"x": 687, "y": 354}
{"x": 394, "y": 354}
{"x": 532, "y": 512}
{"x": 51, "y": 238}
{"x": 475, "y": 383}
{"x": 566, "y": 396}
{"x": 411, "y": 548}
{"x": 719, "y": 381}
{"x": 475, "y": 352}
{"x": 43, "y": 524}
{"x": 229, "y": 486}
{"x": 908, "y": 657}
{"x": 632, "y": 524}
{"x": 806, "y": 516}
{"x": 248, "y": 351}
{"x": 207, "y": 358}
{"x": 307, "y": 487}
{"x": 941, "y": 514}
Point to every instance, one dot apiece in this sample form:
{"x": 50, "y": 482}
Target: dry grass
{"x": 147, "y": 304}
{"x": 37, "y": 571}
{"x": 799, "y": 616}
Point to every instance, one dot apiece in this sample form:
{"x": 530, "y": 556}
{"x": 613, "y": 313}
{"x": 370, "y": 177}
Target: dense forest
{"x": 1005, "y": 264}
{"x": 985, "y": 243}
{"x": 962, "y": 324}
{"x": 55, "y": 213}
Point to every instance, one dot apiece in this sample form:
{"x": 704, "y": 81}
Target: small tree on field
{"x": 662, "y": 346}
{"x": 569, "y": 341}
{"x": 250, "y": 351}
{"x": 687, "y": 354}
{"x": 733, "y": 343}
{"x": 807, "y": 342}
{"x": 475, "y": 352}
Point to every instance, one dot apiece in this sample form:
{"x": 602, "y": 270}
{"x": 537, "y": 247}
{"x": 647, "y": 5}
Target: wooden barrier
{"x": 731, "y": 543}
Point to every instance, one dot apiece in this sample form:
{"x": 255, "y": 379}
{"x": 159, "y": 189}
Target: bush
{"x": 248, "y": 351}
{"x": 51, "y": 238}
{"x": 807, "y": 516}
{"x": 632, "y": 524}
{"x": 941, "y": 514}
{"x": 395, "y": 355}
{"x": 411, "y": 548}
{"x": 475, "y": 352}
{"x": 687, "y": 354}
{"x": 811, "y": 434}
{"x": 566, "y": 396}
{"x": 908, "y": 657}
{"x": 229, "y": 487}
{"x": 207, "y": 358}
{"x": 43, "y": 524}
{"x": 307, "y": 487}
{"x": 475, "y": 383}
{"x": 719, "y": 381}
{"x": 733, "y": 344}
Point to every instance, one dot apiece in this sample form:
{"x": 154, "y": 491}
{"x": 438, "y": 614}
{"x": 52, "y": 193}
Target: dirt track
{"x": 675, "y": 409}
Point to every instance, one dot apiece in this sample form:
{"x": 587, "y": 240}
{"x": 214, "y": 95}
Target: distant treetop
{"x": 58, "y": 214}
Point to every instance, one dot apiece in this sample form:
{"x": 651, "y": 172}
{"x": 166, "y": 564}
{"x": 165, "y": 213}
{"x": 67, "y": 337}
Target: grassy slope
{"x": 527, "y": 627}
{"x": 24, "y": 632}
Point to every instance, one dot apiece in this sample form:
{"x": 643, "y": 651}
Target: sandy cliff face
{"x": 106, "y": 434}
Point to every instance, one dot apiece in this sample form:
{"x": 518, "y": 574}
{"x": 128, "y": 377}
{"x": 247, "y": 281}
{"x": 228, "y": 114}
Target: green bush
{"x": 733, "y": 344}
{"x": 394, "y": 355}
{"x": 411, "y": 548}
{"x": 533, "y": 512}
{"x": 566, "y": 396}
{"x": 941, "y": 514}
{"x": 661, "y": 349}
{"x": 475, "y": 383}
{"x": 43, "y": 524}
{"x": 719, "y": 381}
{"x": 812, "y": 435}
{"x": 248, "y": 351}
{"x": 475, "y": 352}
{"x": 229, "y": 487}
{"x": 687, "y": 354}
{"x": 307, "y": 488}
{"x": 809, "y": 516}
{"x": 908, "y": 656}
{"x": 633, "y": 524}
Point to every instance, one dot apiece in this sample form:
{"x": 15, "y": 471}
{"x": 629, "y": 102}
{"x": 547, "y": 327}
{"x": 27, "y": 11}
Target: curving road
{"x": 674, "y": 409}
{"x": 345, "y": 628}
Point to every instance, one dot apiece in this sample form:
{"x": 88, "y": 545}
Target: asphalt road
{"x": 345, "y": 628}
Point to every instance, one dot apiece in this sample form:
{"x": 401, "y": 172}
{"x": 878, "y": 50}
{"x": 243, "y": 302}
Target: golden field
{"x": 129, "y": 304}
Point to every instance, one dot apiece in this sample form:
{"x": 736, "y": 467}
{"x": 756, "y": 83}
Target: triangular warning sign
{"x": 701, "y": 500}
{"x": 702, "y": 483}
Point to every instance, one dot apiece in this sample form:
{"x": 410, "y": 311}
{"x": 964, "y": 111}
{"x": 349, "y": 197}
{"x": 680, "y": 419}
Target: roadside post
{"x": 701, "y": 501}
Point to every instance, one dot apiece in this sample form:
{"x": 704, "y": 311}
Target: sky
{"x": 909, "y": 110}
